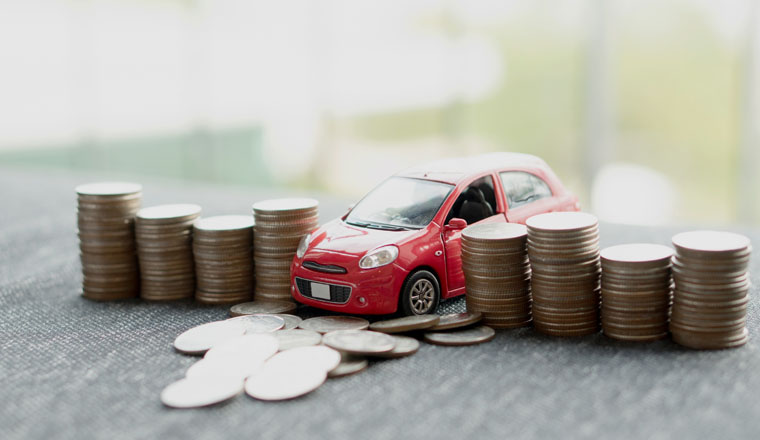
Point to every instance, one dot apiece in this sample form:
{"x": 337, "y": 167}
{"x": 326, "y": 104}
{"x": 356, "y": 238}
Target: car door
{"x": 452, "y": 236}
{"x": 526, "y": 195}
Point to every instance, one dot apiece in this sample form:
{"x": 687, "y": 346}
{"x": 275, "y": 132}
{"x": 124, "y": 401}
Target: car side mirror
{"x": 456, "y": 224}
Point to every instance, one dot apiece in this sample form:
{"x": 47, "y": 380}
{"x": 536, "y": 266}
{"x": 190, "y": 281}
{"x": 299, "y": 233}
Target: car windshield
{"x": 400, "y": 203}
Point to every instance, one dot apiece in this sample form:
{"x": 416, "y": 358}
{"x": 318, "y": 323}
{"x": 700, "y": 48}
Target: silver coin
{"x": 269, "y": 306}
{"x": 200, "y": 339}
{"x": 250, "y": 347}
{"x": 405, "y": 346}
{"x": 359, "y": 341}
{"x": 108, "y": 188}
{"x": 405, "y": 324}
{"x": 295, "y": 338}
{"x": 324, "y": 324}
{"x": 319, "y": 355}
{"x": 281, "y": 381}
{"x": 224, "y": 223}
{"x": 349, "y": 364}
{"x": 468, "y": 336}
{"x": 169, "y": 211}
{"x": 259, "y": 323}
{"x": 291, "y": 321}
{"x": 232, "y": 367}
{"x": 198, "y": 392}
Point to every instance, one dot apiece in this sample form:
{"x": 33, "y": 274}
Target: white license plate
{"x": 321, "y": 291}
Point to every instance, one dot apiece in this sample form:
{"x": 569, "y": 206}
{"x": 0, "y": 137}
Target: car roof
{"x": 454, "y": 170}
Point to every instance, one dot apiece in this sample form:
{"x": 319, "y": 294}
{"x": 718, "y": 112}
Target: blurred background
{"x": 649, "y": 110}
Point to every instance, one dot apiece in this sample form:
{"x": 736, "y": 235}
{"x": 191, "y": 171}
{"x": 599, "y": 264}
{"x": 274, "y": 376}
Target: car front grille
{"x": 338, "y": 294}
{"x": 326, "y": 268}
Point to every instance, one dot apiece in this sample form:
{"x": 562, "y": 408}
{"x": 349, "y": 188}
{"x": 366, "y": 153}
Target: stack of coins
{"x": 279, "y": 226}
{"x": 497, "y": 273}
{"x": 165, "y": 250}
{"x": 636, "y": 291}
{"x": 105, "y": 220}
{"x": 711, "y": 289}
{"x": 222, "y": 247}
{"x": 564, "y": 257}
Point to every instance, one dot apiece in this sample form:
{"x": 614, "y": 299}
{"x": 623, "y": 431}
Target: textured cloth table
{"x": 76, "y": 369}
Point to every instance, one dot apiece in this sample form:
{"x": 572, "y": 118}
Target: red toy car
{"x": 399, "y": 247}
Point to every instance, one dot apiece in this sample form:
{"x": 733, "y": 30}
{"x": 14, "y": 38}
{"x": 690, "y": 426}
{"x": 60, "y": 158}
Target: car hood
{"x": 338, "y": 236}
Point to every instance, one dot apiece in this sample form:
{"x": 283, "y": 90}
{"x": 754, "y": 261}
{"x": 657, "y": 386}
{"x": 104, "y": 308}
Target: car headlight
{"x": 303, "y": 245}
{"x": 379, "y": 257}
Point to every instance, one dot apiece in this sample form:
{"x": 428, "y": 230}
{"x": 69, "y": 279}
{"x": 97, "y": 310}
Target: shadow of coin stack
{"x": 637, "y": 291}
{"x": 165, "y": 251}
{"x": 564, "y": 258}
{"x": 497, "y": 273}
{"x": 711, "y": 289}
{"x": 223, "y": 251}
{"x": 105, "y": 221}
{"x": 279, "y": 226}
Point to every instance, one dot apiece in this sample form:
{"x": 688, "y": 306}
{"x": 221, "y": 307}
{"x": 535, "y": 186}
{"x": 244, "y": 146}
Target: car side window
{"x": 522, "y": 188}
{"x": 476, "y": 202}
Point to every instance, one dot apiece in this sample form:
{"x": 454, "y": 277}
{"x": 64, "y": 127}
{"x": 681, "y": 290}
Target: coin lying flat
{"x": 233, "y": 367}
{"x": 323, "y": 357}
{"x": 198, "y": 392}
{"x": 280, "y": 205}
{"x": 359, "y": 342}
{"x": 249, "y": 347}
{"x": 297, "y": 337}
{"x": 272, "y": 383}
{"x": 469, "y": 336}
{"x": 258, "y": 323}
{"x": 349, "y": 364}
{"x": 108, "y": 189}
{"x": 291, "y": 321}
{"x": 404, "y": 346}
{"x": 224, "y": 223}
{"x": 324, "y": 324}
{"x": 457, "y": 320}
{"x": 253, "y": 307}
{"x": 405, "y": 324}
{"x": 200, "y": 339}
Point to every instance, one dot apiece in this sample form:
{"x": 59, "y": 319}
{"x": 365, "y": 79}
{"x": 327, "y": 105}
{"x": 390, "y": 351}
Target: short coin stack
{"x": 711, "y": 289}
{"x": 222, "y": 247}
{"x": 279, "y": 227}
{"x": 636, "y": 291}
{"x": 165, "y": 250}
{"x": 105, "y": 220}
{"x": 497, "y": 273}
{"x": 564, "y": 259}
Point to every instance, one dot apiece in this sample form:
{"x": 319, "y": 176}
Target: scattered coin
{"x": 253, "y": 307}
{"x": 323, "y": 357}
{"x": 349, "y": 364}
{"x": 200, "y": 339}
{"x": 405, "y": 324}
{"x": 283, "y": 382}
{"x": 291, "y": 321}
{"x": 457, "y": 320}
{"x": 250, "y": 347}
{"x": 468, "y": 336}
{"x": 404, "y": 346}
{"x": 233, "y": 367}
{"x": 324, "y": 324}
{"x": 359, "y": 342}
{"x": 198, "y": 392}
{"x": 297, "y": 337}
{"x": 258, "y": 323}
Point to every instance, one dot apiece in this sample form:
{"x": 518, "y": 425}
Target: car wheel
{"x": 420, "y": 294}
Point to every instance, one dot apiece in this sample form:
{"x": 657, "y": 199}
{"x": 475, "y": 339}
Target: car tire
{"x": 420, "y": 294}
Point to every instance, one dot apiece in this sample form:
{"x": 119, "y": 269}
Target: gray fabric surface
{"x": 76, "y": 369}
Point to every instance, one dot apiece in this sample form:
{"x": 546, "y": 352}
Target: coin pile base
{"x": 279, "y": 227}
{"x": 105, "y": 220}
{"x": 497, "y": 273}
{"x": 710, "y": 270}
{"x": 636, "y": 291}
{"x": 564, "y": 258}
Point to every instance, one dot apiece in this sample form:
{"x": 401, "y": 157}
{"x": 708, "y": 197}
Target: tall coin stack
{"x": 165, "y": 250}
{"x": 711, "y": 289}
{"x": 105, "y": 221}
{"x": 564, "y": 258}
{"x": 278, "y": 228}
{"x": 636, "y": 291}
{"x": 222, "y": 247}
{"x": 497, "y": 273}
